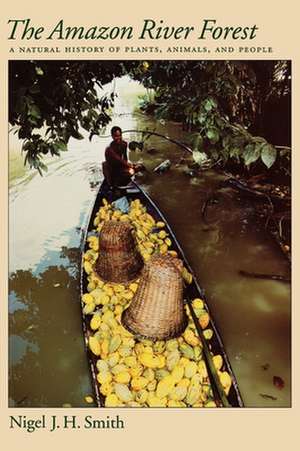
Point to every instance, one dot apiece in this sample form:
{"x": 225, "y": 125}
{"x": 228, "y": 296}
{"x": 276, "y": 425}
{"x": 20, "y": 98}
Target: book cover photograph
{"x": 147, "y": 240}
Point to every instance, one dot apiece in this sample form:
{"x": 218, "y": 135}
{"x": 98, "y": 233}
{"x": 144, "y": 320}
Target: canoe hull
{"x": 192, "y": 291}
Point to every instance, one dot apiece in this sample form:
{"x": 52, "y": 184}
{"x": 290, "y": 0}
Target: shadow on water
{"x": 48, "y": 365}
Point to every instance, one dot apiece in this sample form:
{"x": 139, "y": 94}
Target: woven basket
{"x": 157, "y": 311}
{"x": 119, "y": 260}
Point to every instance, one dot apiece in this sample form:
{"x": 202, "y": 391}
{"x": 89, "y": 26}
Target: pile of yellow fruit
{"x": 143, "y": 373}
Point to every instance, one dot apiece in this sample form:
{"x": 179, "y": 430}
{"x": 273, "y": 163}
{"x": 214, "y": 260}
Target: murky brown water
{"x": 48, "y": 366}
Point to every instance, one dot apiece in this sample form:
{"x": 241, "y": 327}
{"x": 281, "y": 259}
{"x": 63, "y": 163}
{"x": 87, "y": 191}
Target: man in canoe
{"x": 117, "y": 169}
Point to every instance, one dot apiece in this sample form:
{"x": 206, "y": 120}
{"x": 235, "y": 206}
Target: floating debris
{"x": 163, "y": 167}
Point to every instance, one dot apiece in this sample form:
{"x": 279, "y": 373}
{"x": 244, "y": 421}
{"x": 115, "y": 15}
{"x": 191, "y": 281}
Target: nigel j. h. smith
{"x": 55, "y": 422}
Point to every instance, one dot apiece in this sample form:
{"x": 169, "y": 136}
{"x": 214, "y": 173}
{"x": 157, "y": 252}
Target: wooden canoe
{"x": 192, "y": 291}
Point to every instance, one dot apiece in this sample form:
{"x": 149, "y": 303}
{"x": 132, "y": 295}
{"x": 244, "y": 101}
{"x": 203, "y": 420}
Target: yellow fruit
{"x": 123, "y": 392}
{"x": 113, "y": 359}
{"x": 125, "y": 350}
{"x": 128, "y": 341}
{"x": 102, "y": 366}
{"x": 112, "y": 400}
{"x": 108, "y": 290}
{"x": 104, "y": 348}
{"x": 184, "y": 383}
{"x": 124, "y": 218}
{"x": 139, "y": 348}
{"x": 140, "y": 235}
{"x": 204, "y": 320}
{"x": 136, "y": 370}
{"x": 161, "y": 361}
{"x": 107, "y": 315}
{"x": 218, "y": 361}
{"x": 123, "y": 377}
{"x": 94, "y": 346}
{"x": 149, "y": 374}
{"x": 114, "y": 343}
{"x": 154, "y": 401}
{"x": 160, "y": 374}
{"x": 225, "y": 379}
{"x": 152, "y": 385}
{"x": 130, "y": 361}
{"x": 138, "y": 383}
{"x": 148, "y": 245}
{"x": 103, "y": 327}
{"x": 89, "y": 308}
{"x": 165, "y": 386}
{"x": 118, "y": 309}
{"x": 163, "y": 249}
{"x": 106, "y": 388}
{"x": 196, "y": 379}
{"x": 171, "y": 345}
{"x": 168, "y": 242}
{"x": 202, "y": 369}
{"x": 190, "y": 369}
{"x": 145, "y": 256}
{"x": 87, "y": 267}
{"x": 141, "y": 396}
{"x": 187, "y": 276}
{"x": 162, "y": 234}
{"x": 190, "y": 337}
{"x": 133, "y": 287}
{"x": 173, "y": 253}
{"x": 193, "y": 395}
{"x": 119, "y": 288}
{"x": 119, "y": 368}
{"x": 91, "y": 286}
{"x": 183, "y": 361}
{"x": 186, "y": 350}
{"x": 95, "y": 321}
{"x": 128, "y": 295}
{"x": 160, "y": 224}
{"x": 210, "y": 404}
{"x": 197, "y": 352}
{"x": 172, "y": 403}
{"x": 208, "y": 333}
{"x": 87, "y": 298}
{"x": 104, "y": 378}
{"x": 173, "y": 358}
{"x": 178, "y": 393}
{"x": 177, "y": 373}
{"x": 148, "y": 360}
{"x": 89, "y": 399}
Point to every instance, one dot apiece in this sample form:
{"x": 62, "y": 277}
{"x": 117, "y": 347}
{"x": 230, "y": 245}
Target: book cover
{"x": 179, "y": 80}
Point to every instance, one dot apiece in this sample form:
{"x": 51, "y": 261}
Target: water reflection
{"x": 45, "y": 343}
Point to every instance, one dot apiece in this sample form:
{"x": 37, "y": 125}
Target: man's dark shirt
{"x": 116, "y": 158}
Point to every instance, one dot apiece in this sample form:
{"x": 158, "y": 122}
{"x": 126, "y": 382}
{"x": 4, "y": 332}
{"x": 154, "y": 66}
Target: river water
{"x": 47, "y": 215}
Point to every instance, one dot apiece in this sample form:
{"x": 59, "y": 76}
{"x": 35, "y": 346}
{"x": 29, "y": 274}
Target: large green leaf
{"x": 213, "y": 135}
{"x": 268, "y": 155}
{"x": 61, "y": 145}
{"x": 251, "y": 153}
{"x": 34, "y": 111}
{"x": 199, "y": 157}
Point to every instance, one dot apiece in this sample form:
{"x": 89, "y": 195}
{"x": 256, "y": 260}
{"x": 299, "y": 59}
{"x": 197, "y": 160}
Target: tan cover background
{"x": 157, "y": 429}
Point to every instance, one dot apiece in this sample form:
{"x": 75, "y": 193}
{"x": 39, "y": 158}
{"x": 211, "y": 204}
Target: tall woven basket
{"x": 157, "y": 311}
{"x": 119, "y": 260}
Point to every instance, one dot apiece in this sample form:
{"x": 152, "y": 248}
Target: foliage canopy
{"x": 220, "y": 102}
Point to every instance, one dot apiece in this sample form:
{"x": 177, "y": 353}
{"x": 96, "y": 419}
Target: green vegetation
{"x": 222, "y": 103}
